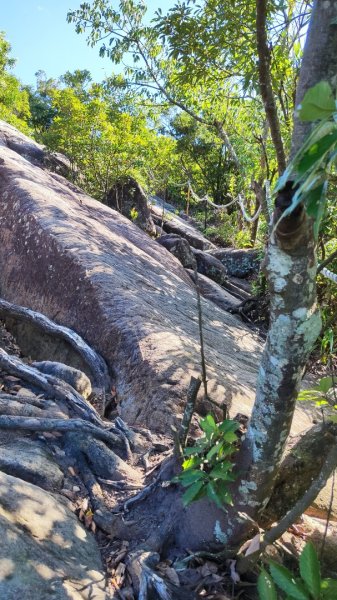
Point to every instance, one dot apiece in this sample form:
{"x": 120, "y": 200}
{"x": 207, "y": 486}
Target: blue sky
{"x": 41, "y": 38}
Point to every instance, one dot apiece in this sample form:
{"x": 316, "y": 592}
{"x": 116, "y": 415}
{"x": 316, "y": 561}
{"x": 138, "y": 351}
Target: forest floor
{"x": 199, "y": 578}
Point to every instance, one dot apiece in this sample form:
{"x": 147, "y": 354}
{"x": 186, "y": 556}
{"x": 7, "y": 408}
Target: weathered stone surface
{"x": 32, "y": 151}
{"x": 77, "y": 379}
{"x": 171, "y": 223}
{"x": 128, "y": 198}
{"x": 86, "y": 266}
{"x": 210, "y": 266}
{"x": 45, "y": 552}
{"x": 180, "y": 248}
{"x": 239, "y": 263}
{"x": 214, "y": 292}
{"x": 27, "y": 459}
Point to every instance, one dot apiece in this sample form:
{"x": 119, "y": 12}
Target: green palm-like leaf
{"x": 310, "y": 570}
{"x": 286, "y": 581}
{"x": 266, "y": 587}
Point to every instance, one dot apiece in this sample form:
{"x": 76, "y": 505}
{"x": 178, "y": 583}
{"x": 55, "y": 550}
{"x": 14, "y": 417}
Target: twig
{"x": 201, "y": 336}
{"x": 192, "y": 392}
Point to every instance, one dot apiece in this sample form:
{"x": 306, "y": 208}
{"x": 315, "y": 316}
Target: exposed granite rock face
{"x": 171, "y": 223}
{"x": 180, "y": 248}
{"x": 88, "y": 267}
{"x": 210, "y": 266}
{"x": 239, "y": 263}
{"x": 45, "y": 551}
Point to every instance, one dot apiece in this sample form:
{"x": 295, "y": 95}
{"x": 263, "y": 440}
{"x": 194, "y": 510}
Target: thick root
{"x": 95, "y": 363}
{"x": 51, "y": 385}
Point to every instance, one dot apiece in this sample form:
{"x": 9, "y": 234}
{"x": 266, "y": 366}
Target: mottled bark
{"x": 294, "y": 317}
{"x": 319, "y": 59}
{"x": 294, "y": 326}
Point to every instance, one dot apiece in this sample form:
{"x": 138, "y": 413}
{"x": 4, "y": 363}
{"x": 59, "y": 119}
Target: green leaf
{"x": 286, "y": 581}
{"x": 230, "y": 437}
{"x": 318, "y": 103}
{"x": 229, "y": 425}
{"x": 208, "y": 425}
{"x": 310, "y": 570}
{"x": 329, "y": 589}
{"x": 214, "y": 450}
{"x": 224, "y": 476}
{"x": 192, "y": 492}
{"x": 266, "y": 587}
{"x": 325, "y": 384}
{"x": 316, "y": 152}
{"x": 191, "y": 476}
{"x": 212, "y": 494}
{"x": 194, "y": 461}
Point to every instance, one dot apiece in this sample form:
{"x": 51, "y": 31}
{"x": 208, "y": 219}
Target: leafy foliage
{"x": 208, "y": 465}
{"x": 310, "y": 586}
{"x": 323, "y": 394}
{"x": 14, "y": 104}
{"x": 310, "y": 167}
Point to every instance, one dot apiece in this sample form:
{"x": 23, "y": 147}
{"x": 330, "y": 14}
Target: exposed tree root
{"x": 12, "y": 423}
{"x": 148, "y": 584}
{"x": 95, "y": 363}
{"x": 51, "y": 385}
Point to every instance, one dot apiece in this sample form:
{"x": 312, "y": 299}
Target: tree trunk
{"x": 319, "y": 60}
{"x": 295, "y": 319}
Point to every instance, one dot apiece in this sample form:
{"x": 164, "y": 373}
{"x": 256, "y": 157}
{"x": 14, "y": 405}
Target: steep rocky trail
{"x": 88, "y": 267}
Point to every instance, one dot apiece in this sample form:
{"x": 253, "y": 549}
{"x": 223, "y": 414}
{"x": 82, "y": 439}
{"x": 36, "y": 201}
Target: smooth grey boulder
{"x": 27, "y": 459}
{"x": 180, "y": 248}
{"x": 76, "y": 378}
{"x": 171, "y": 223}
{"x": 45, "y": 552}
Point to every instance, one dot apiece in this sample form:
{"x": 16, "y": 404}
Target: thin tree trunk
{"x": 295, "y": 319}
{"x": 266, "y": 84}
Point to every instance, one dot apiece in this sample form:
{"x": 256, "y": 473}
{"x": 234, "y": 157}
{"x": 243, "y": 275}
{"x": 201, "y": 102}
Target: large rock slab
{"x": 45, "y": 551}
{"x": 89, "y": 268}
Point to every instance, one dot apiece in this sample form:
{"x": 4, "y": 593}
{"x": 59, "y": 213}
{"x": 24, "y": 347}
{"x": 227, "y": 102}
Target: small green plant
{"x": 134, "y": 214}
{"x": 323, "y": 394}
{"x": 208, "y": 465}
{"x": 309, "y": 586}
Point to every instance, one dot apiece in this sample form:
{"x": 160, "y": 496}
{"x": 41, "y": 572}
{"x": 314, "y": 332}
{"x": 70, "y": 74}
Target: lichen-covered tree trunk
{"x": 295, "y": 321}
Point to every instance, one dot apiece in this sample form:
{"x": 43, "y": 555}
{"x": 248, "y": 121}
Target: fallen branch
{"x": 96, "y": 364}
{"x": 51, "y": 385}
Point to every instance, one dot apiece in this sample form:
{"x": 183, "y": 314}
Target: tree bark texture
{"x": 319, "y": 60}
{"x": 266, "y": 88}
{"x": 294, "y": 316}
